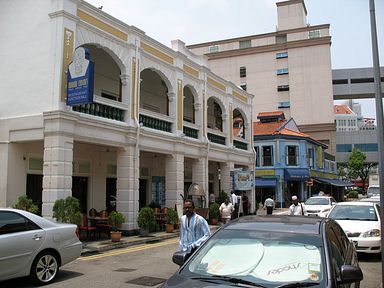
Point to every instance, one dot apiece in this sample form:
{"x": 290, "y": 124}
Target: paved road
{"x": 143, "y": 266}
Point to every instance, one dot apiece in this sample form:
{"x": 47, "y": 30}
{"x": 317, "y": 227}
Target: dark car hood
{"x": 177, "y": 281}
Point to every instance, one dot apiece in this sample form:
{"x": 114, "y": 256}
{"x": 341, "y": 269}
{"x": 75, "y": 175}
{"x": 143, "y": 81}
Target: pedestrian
{"x": 245, "y": 203}
{"x": 297, "y": 208}
{"x": 235, "y": 204}
{"x": 269, "y": 204}
{"x": 212, "y": 198}
{"x": 226, "y": 209}
{"x": 194, "y": 229}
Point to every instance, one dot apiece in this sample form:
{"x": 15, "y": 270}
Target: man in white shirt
{"x": 297, "y": 208}
{"x": 226, "y": 210}
{"x": 269, "y": 204}
{"x": 234, "y": 203}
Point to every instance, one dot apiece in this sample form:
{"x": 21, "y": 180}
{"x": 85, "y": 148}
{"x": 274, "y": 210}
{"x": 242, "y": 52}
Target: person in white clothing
{"x": 297, "y": 208}
{"x": 234, "y": 203}
{"x": 269, "y": 204}
{"x": 226, "y": 209}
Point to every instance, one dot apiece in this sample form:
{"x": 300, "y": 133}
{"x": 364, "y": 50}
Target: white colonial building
{"x": 159, "y": 121}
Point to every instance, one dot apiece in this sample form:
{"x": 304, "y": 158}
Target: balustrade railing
{"x": 155, "y": 123}
{"x": 216, "y": 139}
{"x": 100, "y": 110}
{"x": 190, "y": 132}
{"x": 240, "y": 145}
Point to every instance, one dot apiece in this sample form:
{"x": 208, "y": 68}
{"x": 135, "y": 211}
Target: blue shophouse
{"x": 289, "y": 162}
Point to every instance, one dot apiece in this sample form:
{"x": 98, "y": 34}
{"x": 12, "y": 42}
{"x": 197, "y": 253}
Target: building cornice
{"x": 271, "y": 48}
{"x": 258, "y": 36}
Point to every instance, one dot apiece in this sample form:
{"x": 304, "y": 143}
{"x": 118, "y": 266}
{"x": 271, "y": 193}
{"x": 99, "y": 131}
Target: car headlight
{"x": 325, "y": 210}
{"x": 372, "y": 233}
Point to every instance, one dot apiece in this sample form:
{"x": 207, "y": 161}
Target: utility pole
{"x": 379, "y": 121}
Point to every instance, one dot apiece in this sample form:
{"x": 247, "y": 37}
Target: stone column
{"x": 57, "y": 171}
{"x": 174, "y": 179}
{"x": 226, "y": 180}
{"x": 199, "y": 172}
{"x": 4, "y": 154}
{"x": 128, "y": 160}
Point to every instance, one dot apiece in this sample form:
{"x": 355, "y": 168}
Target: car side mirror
{"x": 350, "y": 274}
{"x": 180, "y": 257}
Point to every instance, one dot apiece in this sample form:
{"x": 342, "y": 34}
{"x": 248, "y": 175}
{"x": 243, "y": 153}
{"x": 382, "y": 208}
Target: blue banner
{"x": 80, "y": 78}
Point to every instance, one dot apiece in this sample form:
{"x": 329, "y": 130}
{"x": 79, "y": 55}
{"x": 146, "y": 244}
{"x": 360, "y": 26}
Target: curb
{"x": 91, "y": 248}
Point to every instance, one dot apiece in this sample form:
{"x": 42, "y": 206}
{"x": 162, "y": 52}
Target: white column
{"x": 128, "y": 186}
{"x": 226, "y": 180}
{"x": 4, "y": 154}
{"x": 57, "y": 171}
{"x": 199, "y": 174}
{"x": 174, "y": 179}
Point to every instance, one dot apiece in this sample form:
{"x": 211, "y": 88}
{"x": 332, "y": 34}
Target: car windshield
{"x": 353, "y": 212}
{"x": 373, "y": 190}
{"x": 263, "y": 258}
{"x": 317, "y": 201}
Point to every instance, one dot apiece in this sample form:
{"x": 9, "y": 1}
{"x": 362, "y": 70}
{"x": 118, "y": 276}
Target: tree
{"x": 357, "y": 168}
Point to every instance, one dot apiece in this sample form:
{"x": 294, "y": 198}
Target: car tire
{"x": 44, "y": 268}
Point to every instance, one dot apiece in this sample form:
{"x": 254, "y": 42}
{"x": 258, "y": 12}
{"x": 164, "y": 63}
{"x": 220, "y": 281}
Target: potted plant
{"x": 68, "y": 211}
{"x": 172, "y": 218}
{"x": 116, "y": 219}
{"x": 214, "y": 213}
{"x": 25, "y": 203}
{"x": 146, "y": 220}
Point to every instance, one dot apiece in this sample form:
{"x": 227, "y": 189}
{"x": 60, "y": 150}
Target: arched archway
{"x": 107, "y": 81}
{"x": 214, "y": 114}
{"x": 153, "y": 92}
{"x": 238, "y": 124}
{"x": 189, "y": 105}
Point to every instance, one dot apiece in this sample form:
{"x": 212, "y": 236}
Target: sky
{"x": 198, "y": 21}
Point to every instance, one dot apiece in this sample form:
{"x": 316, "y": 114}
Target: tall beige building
{"x": 288, "y": 70}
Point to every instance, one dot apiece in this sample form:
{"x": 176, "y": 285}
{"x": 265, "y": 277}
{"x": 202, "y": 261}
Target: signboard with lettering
{"x": 80, "y": 78}
{"x": 243, "y": 180}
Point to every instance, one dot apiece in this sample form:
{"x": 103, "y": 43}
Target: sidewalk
{"x": 94, "y": 247}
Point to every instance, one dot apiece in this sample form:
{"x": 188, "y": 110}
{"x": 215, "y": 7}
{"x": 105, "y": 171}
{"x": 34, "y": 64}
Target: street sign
{"x": 309, "y": 182}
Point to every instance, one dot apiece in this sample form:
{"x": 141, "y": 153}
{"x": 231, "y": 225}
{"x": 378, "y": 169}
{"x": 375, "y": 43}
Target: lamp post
{"x": 219, "y": 176}
{"x": 379, "y": 116}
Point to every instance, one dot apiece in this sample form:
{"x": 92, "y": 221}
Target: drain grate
{"x": 125, "y": 270}
{"x": 146, "y": 281}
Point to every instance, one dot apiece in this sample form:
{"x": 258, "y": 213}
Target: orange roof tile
{"x": 269, "y": 128}
{"x": 289, "y": 132}
{"x": 273, "y": 113}
{"x": 342, "y": 109}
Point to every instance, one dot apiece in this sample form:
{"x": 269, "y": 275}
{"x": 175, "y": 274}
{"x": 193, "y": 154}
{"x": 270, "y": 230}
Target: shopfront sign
{"x": 243, "y": 180}
{"x": 80, "y": 78}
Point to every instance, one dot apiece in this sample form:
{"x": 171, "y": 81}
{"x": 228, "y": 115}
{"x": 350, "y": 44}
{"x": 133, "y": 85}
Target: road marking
{"x": 129, "y": 250}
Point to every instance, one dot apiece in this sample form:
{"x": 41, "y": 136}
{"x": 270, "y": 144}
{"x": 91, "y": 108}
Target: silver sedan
{"x": 34, "y": 246}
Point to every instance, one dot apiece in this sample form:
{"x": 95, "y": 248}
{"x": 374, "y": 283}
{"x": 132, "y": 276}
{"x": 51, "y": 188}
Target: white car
{"x": 319, "y": 205}
{"x": 373, "y": 190}
{"x": 34, "y": 246}
{"x": 361, "y": 222}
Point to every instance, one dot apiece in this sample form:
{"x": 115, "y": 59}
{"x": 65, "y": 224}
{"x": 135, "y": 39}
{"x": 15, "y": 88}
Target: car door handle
{"x": 36, "y": 237}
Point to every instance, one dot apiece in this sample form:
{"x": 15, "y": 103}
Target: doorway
{"x": 110, "y": 197}
{"x": 80, "y": 191}
{"x": 142, "y": 193}
{"x": 35, "y": 189}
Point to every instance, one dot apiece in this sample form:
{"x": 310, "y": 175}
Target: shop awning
{"x": 265, "y": 182}
{"x": 296, "y": 174}
{"x": 334, "y": 182}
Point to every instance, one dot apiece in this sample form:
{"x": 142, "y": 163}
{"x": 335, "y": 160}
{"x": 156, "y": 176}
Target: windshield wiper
{"x": 298, "y": 284}
{"x": 233, "y": 280}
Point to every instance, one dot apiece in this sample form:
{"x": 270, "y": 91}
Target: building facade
{"x": 159, "y": 120}
{"x": 289, "y": 162}
{"x": 288, "y": 70}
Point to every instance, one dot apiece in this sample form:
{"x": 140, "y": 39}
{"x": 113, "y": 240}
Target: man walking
{"x": 194, "y": 229}
{"x": 269, "y": 204}
{"x": 297, "y": 208}
{"x": 235, "y": 204}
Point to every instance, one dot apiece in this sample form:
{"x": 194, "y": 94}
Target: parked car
{"x": 373, "y": 199}
{"x": 34, "y": 246}
{"x": 373, "y": 190}
{"x": 319, "y": 205}
{"x": 271, "y": 251}
{"x": 361, "y": 222}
